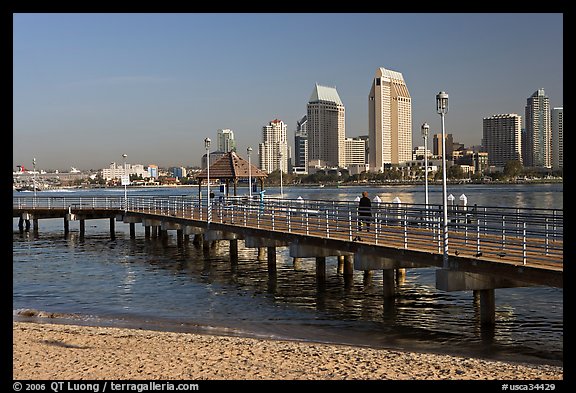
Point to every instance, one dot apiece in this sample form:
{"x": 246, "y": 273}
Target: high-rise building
{"x": 273, "y": 151}
{"x": 502, "y": 138}
{"x": 558, "y": 138}
{"x": 355, "y": 149}
{"x": 389, "y": 120}
{"x": 538, "y": 131}
{"x": 326, "y": 127}
{"x": 437, "y": 146}
{"x": 301, "y": 144}
{"x": 178, "y": 172}
{"x": 225, "y": 140}
{"x": 153, "y": 171}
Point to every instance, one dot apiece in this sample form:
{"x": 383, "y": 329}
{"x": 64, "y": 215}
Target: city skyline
{"x": 88, "y": 88}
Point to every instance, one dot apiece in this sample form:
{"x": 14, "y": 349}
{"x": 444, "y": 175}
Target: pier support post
{"x": 487, "y": 306}
{"x": 260, "y": 253}
{"x": 179, "y": 237}
{"x": 340, "y": 269}
{"x": 197, "y": 239}
{"x": 271, "y": 259}
{"x": 35, "y": 225}
{"x": 206, "y": 247}
{"x": 388, "y": 286}
{"x": 112, "y": 228}
{"x": 400, "y": 275}
{"x": 163, "y": 234}
{"x": 132, "y": 230}
{"x": 272, "y": 282}
{"x": 21, "y": 224}
{"x": 147, "y": 231}
{"x": 233, "y": 251}
{"x": 82, "y": 228}
{"x": 66, "y": 226}
{"x": 367, "y": 279}
{"x": 297, "y": 263}
{"x": 320, "y": 269}
{"x": 348, "y": 271}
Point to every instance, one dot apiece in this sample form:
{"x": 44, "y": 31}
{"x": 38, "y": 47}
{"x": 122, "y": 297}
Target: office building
{"x": 225, "y": 140}
{"x": 326, "y": 127}
{"x": 301, "y": 145}
{"x": 538, "y": 131}
{"x": 355, "y": 151}
{"x": 502, "y": 138}
{"x": 437, "y": 146}
{"x": 273, "y": 151}
{"x": 557, "y": 138}
{"x": 389, "y": 120}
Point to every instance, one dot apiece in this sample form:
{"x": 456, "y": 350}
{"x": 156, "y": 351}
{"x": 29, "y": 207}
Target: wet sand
{"x": 60, "y": 352}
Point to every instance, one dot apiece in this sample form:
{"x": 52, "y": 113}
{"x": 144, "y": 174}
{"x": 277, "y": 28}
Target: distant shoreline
{"x": 391, "y": 183}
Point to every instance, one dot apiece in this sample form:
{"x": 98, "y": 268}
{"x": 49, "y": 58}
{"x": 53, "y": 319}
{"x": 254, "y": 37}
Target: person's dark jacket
{"x": 365, "y": 207}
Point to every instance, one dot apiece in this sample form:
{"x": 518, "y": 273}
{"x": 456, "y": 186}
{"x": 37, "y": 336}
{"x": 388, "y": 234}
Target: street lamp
{"x": 442, "y": 109}
{"x": 425, "y": 129}
{"x": 34, "y": 177}
{"x": 124, "y": 180}
{"x": 249, "y": 151}
{"x": 280, "y": 167}
{"x": 208, "y": 209}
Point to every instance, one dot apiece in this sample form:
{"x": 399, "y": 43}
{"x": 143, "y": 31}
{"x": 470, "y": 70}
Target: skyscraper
{"x": 326, "y": 127}
{"x": 502, "y": 138}
{"x": 226, "y": 141}
{"x": 273, "y": 150}
{"x": 301, "y": 144}
{"x": 538, "y": 131}
{"x": 557, "y": 138}
{"x": 389, "y": 120}
{"x": 437, "y": 146}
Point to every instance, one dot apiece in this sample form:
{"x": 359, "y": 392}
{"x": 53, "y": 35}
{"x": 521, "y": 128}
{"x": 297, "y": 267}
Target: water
{"x": 145, "y": 283}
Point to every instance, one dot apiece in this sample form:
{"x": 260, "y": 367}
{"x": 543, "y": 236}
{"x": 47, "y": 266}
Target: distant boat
{"x": 74, "y": 170}
{"x": 321, "y": 186}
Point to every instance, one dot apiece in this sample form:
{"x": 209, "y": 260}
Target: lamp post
{"x": 208, "y": 208}
{"x": 124, "y": 180}
{"x": 34, "y": 177}
{"x": 442, "y": 109}
{"x": 249, "y": 151}
{"x": 425, "y": 129}
{"x": 280, "y": 167}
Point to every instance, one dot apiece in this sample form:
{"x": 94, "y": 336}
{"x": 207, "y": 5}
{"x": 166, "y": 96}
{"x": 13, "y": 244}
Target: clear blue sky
{"x": 88, "y": 87}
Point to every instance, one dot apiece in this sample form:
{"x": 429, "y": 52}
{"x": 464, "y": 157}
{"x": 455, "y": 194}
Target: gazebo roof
{"x": 231, "y": 166}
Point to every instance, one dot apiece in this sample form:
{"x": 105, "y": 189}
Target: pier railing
{"x": 518, "y": 235}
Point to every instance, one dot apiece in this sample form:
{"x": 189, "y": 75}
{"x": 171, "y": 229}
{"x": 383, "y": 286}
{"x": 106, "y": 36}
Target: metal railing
{"x": 513, "y": 234}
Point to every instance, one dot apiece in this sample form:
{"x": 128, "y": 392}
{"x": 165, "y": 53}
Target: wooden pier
{"x": 489, "y": 248}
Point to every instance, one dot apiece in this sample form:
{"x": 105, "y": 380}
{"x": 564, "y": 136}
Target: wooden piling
{"x": 271, "y": 259}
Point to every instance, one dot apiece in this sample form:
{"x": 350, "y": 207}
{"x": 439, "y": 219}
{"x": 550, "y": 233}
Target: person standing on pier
{"x": 364, "y": 211}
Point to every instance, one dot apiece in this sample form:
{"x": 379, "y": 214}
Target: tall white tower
{"x": 225, "y": 140}
{"x": 273, "y": 151}
{"x": 326, "y": 127}
{"x": 389, "y": 120}
{"x": 538, "y": 131}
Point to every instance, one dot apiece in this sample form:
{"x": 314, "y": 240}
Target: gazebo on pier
{"x": 230, "y": 168}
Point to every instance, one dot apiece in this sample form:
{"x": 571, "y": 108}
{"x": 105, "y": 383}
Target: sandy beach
{"x": 56, "y": 352}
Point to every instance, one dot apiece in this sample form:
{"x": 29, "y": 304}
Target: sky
{"x": 90, "y": 87}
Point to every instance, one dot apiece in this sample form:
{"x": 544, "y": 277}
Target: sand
{"x": 70, "y": 352}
